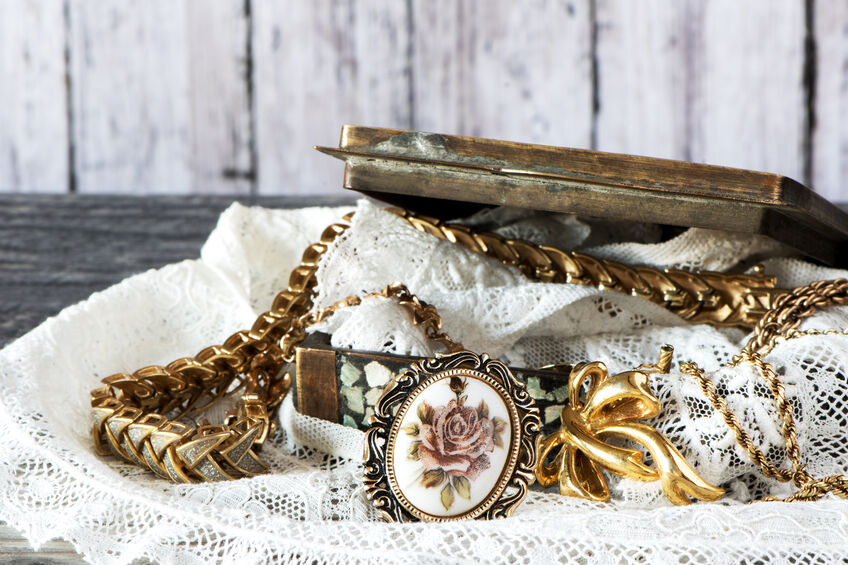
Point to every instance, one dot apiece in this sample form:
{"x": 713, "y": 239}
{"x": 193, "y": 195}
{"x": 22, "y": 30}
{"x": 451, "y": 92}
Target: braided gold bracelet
{"x": 719, "y": 299}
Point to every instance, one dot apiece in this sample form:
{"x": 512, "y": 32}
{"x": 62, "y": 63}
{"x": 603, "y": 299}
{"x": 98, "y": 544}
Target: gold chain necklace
{"x": 779, "y": 324}
{"x": 137, "y": 416}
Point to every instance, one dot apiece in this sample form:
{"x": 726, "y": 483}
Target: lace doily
{"x": 310, "y": 508}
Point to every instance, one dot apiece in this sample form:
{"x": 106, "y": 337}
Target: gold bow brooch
{"x": 612, "y": 408}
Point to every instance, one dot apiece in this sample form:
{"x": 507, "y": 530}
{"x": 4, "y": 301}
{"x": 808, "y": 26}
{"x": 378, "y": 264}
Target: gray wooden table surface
{"x": 56, "y": 250}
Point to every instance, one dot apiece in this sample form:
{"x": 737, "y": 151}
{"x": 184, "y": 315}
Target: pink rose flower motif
{"x": 452, "y": 443}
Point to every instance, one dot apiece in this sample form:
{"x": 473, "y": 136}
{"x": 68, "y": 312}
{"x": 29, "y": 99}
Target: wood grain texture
{"x": 33, "y": 109}
{"x": 219, "y": 65}
{"x": 520, "y": 71}
{"x": 56, "y": 251}
{"x": 830, "y": 135}
{"x": 717, "y": 82}
{"x": 317, "y": 65}
{"x": 160, "y": 100}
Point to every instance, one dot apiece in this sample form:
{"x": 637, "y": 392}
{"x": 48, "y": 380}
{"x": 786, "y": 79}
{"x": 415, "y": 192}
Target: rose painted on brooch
{"x": 452, "y": 443}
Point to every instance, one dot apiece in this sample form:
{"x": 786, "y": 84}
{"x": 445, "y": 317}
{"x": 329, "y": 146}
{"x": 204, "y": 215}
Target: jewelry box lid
{"x": 449, "y": 176}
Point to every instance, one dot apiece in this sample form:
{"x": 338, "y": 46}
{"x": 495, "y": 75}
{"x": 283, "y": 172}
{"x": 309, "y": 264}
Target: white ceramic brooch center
{"x": 453, "y": 445}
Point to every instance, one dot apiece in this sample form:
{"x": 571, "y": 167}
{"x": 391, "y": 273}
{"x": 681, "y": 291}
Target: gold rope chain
{"x": 779, "y": 324}
{"x": 138, "y": 416}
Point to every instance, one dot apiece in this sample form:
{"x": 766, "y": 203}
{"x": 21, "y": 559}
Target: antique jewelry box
{"x": 421, "y": 171}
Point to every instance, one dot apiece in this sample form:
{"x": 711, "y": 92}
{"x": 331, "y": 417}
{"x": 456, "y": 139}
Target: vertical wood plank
{"x": 645, "y": 73}
{"x": 218, "y": 37}
{"x": 751, "y": 112}
{"x": 159, "y": 96}
{"x": 33, "y": 97}
{"x": 715, "y": 81}
{"x": 830, "y": 136}
{"x": 318, "y": 65}
{"x": 520, "y": 71}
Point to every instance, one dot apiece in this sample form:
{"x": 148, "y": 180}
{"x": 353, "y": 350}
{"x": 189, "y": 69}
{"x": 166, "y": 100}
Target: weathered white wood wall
{"x": 228, "y": 96}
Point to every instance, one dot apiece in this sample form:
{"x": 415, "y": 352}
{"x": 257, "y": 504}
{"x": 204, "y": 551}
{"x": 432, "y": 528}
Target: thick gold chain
{"x": 719, "y": 299}
{"x": 137, "y": 415}
{"x": 779, "y": 324}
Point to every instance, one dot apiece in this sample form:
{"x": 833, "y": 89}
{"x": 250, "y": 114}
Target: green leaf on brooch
{"x": 462, "y": 487}
{"x": 500, "y": 425}
{"x": 433, "y": 478}
{"x": 425, "y": 413}
{"x": 498, "y": 440}
{"x": 412, "y": 452}
{"x": 411, "y": 429}
{"x": 447, "y": 496}
{"x": 483, "y": 409}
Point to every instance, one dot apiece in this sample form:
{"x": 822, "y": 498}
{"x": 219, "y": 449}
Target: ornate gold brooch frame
{"x": 451, "y": 438}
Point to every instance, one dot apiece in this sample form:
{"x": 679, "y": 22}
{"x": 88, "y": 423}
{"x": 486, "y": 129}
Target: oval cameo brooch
{"x": 451, "y": 438}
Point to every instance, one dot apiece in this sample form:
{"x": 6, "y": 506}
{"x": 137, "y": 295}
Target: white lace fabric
{"x": 310, "y": 508}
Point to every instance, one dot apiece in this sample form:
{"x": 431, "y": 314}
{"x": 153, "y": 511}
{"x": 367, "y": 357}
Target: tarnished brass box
{"x": 452, "y": 176}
